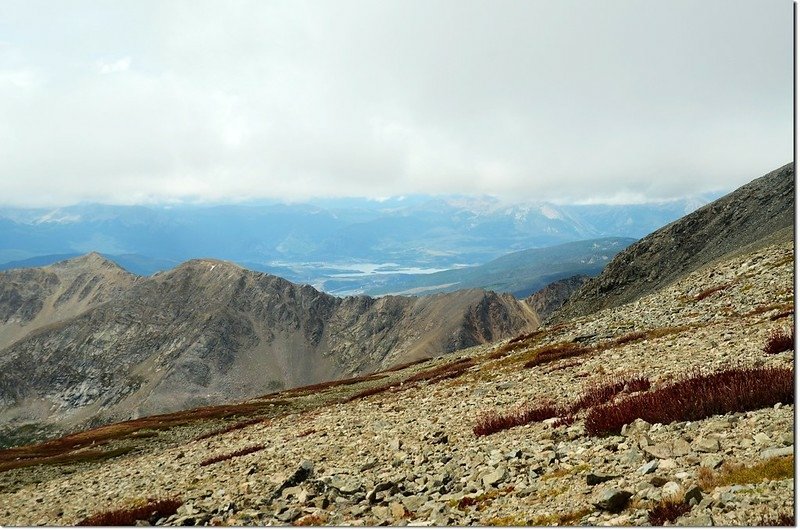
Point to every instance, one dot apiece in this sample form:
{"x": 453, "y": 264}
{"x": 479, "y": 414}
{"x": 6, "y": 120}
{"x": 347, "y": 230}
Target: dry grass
{"x": 152, "y": 510}
{"x": 777, "y": 468}
{"x": 228, "y": 456}
{"x": 560, "y": 519}
{"x": 763, "y": 308}
{"x": 484, "y": 499}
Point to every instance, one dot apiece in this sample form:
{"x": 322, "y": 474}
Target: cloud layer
{"x": 563, "y": 100}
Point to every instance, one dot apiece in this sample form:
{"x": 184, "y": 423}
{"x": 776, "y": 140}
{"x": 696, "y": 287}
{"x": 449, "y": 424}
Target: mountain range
{"x": 661, "y": 391}
{"x": 340, "y": 246}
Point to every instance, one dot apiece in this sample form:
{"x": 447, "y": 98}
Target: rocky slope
{"x": 754, "y": 215}
{"x": 407, "y": 455}
{"x": 34, "y": 298}
{"x": 89, "y": 343}
{"x": 548, "y": 299}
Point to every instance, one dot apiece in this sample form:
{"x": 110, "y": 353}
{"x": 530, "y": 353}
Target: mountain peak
{"x": 92, "y": 260}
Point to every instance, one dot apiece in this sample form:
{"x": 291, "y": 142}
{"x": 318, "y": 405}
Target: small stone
{"x": 761, "y": 439}
{"x": 681, "y": 447}
{"x": 613, "y": 500}
{"x": 593, "y": 479}
{"x": 706, "y": 445}
{"x": 669, "y": 463}
{"x": 658, "y": 481}
{"x": 694, "y": 494}
{"x": 777, "y": 451}
{"x": 657, "y": 451}
{"x": 648, "y": 468}
{"x": 413, "y": 503}
{"x": 711, "y": 461}
{"x": 345, "y": 484}
{"x": 670, "y": 488}
{"x": 397, "y": 510}
{"x": 395, "y": 445}
{"x": 494, "y": 478}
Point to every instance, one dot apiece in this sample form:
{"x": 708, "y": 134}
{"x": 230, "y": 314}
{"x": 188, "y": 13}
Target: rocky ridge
{"x": 408, "y": 456}
{"x": 757, "y": 214}
{"x": 93, "y": 344}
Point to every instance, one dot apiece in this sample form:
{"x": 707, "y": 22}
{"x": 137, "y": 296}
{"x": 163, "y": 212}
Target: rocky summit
{"x": 401, "y": 447}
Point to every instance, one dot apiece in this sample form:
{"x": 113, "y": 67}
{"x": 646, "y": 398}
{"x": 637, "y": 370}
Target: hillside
{"x": 401, "y": 447}
{"x": 79, "y": 351}
{"x": 757, "y": 214}
{"x": 519, "y": 273}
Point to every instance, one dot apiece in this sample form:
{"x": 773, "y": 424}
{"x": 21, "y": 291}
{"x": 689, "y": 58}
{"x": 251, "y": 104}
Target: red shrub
{"x": 444, "y": 371}
{"x": 697, "y": 397}
{"x": 779, "y": 341}
{"x": 552, "y": 352}
{"x": 492, "y": 422}
{"x": 241, "y": 452}
{"x": 152, "y": 511}
{"x": 230, "y": 428}
{"x": 568, "y": 419}
{"x": 604, "y": 391}
{"x": 711, "y": 290}
{"x": 667, "y": 511}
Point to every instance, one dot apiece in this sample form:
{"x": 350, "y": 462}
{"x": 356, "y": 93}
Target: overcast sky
{"x": 614, "y": 100}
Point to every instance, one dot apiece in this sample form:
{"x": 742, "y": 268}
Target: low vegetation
{"x": 696, "y": 397}
{"x": 491, "y": 422}
{"x": 779, "y": 341}
{"x": 553, "y": 352}
{"x": 228, "y": 456}
{"x": 230, "y": 428}
{"x": 777, "y": 468}
{"x": 604, "y": 391}
{"x": 152, "y": 510}
{"x": 75, "y": 457}
{"x": 705, "y": 293}
{"x": 596, "y": 394}
{"x": 668, "y": 510}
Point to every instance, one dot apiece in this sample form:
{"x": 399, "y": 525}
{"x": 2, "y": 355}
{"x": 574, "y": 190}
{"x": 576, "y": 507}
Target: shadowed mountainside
{"x": 755, "y": 215}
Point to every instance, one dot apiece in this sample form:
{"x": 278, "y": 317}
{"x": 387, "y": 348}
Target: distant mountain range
{"x": 341, "y": 246}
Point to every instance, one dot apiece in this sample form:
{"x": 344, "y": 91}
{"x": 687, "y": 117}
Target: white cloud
{"x": 120, "y": 65}
{"x": 552, "y": 100}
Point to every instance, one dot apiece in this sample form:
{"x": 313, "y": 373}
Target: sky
{"x": 140, "y": 102}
